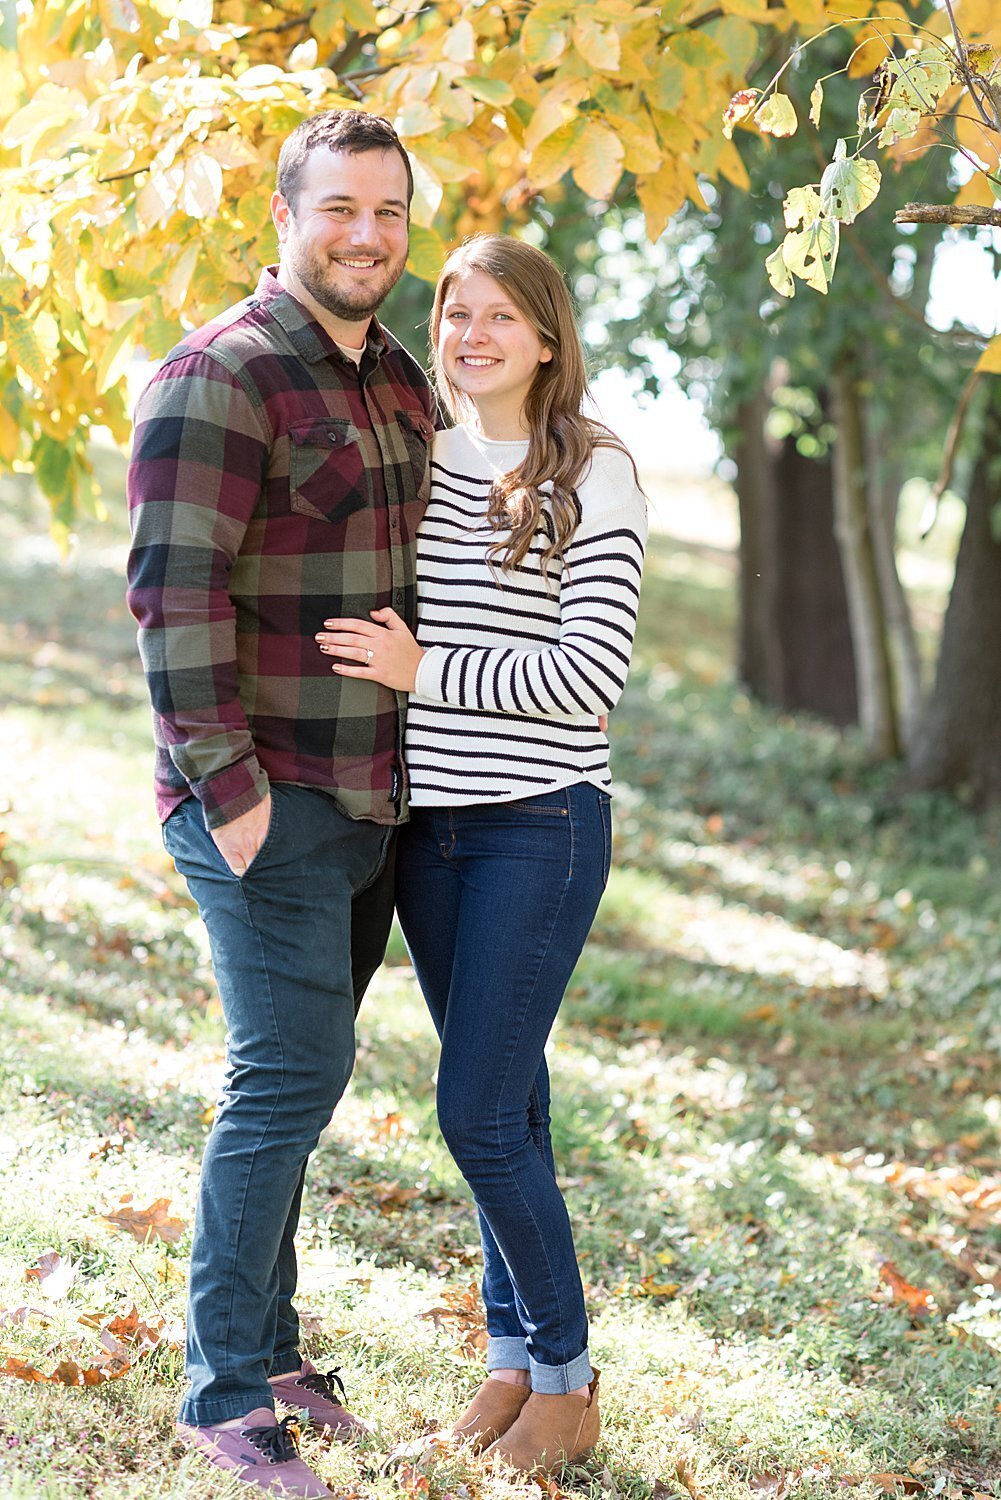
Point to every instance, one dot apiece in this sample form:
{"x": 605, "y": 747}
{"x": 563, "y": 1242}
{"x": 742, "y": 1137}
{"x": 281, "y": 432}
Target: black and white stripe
{"x": 515, "y": 674}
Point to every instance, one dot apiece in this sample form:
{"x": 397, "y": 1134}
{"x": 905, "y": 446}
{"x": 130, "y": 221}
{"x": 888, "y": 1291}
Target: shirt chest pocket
{"x": 329, "y": 478}
{"x": 418, "y": 431}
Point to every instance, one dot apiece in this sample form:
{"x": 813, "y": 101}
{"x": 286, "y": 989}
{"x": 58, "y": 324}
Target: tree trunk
{"x": 794, "y": 647}
{"x": 877, "y": 711}
{"x": 882, "y": 494}
{"x": 757, "y": 641}
{"x": 958, "y": 741}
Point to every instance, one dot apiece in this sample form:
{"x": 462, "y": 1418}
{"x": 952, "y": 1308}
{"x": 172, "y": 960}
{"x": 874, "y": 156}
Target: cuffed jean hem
{"x": 506, "y": 1353}
{"x": 208, "y": 1413}
{"x": 558, "y": 1380}
{"x": 285, "y": 1364}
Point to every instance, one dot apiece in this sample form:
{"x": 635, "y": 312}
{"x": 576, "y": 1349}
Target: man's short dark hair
{"x": 336, "y": 130}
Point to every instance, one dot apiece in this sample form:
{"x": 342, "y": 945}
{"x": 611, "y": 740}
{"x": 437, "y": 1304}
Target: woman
{"x": 529, "y": 562}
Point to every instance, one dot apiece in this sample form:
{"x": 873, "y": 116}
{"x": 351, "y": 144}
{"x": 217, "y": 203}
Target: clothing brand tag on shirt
{"x": 395, "y": 791}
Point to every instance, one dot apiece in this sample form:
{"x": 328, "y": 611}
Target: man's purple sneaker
{"x": 319, "y": 1399}
{"x": 266, "y": 1456}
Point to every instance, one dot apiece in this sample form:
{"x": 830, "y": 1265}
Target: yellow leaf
{"x": 597, "y": 44}
{"x": 990, "y": 361}
{"x": 201, "y": 189}
{"x": 427, "y": 251}
{"x": 977, "y": 192}
{"x": 598, "y": 161}
{"x": 117, "y": 353}
{"x": 460, "y": 42}
{"x": 777, "y": 116}
{"x": 158, "y": 195}
{"x": 558, "y": 106}
{"x": 661, "y": 195}
{"x": 643, "y": 152}
{"x": 416, "y": 118}
{"x": 806, "y": 12}
{"x": 730, "y": 165}
{"x": 23, "y": 348}
{"x": 555, "y": 155}
{"x": 10, "y": 438}
{"x": 543, "y": 37}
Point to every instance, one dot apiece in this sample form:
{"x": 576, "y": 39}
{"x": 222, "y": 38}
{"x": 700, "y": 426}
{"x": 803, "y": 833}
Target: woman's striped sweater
{"x": 514, "y": 677}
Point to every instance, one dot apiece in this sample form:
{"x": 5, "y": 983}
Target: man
{"x": 279, "y": 471}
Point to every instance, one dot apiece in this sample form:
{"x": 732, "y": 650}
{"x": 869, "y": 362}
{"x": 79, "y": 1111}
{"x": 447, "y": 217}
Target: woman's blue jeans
{"x": 294, "y": 941}
{"x": 496, "y": 902}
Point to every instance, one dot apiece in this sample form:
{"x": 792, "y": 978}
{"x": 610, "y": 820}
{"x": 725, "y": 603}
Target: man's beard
{"x": 314, "y": 272}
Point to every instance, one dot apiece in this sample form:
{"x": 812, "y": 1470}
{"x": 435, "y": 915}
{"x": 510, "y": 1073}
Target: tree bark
{"x": 882, "y": 496}
{"x": 852, "y": 529}
{"x": 794, "y": 646}
{"x": 958, "y": 742}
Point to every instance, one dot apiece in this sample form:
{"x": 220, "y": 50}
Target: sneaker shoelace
{"x": 323, "y": 1384}
{"x": 278, "y": 1444}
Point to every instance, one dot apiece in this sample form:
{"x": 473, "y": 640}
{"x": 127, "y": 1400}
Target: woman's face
{"x": 487, "y": 347}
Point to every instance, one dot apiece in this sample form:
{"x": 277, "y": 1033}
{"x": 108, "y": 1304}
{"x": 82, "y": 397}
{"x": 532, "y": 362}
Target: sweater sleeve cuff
{"x": 429, "y": 681}
{"x": 232, "y": 792}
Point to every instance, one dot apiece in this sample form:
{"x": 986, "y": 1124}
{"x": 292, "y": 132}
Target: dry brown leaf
{"x": 412, "y": 1480}
{"x": 146, "y": 1223}
{"x": 20, "y": 1315}
{"x": 391, "y": 1197}
{"x": 106, "y": 1146}
{"x": 54, "y": 1273}
{"x": 463, "y": 1308}
{"x": 22, "y": 1369}
{"x": 775, "y": 1485}
{"x": 918, "y": 1301}
{"x": 687, "y": 1477}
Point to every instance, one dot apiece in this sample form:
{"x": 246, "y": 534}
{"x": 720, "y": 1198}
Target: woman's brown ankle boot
{"x": 491, "y": 1412}
{"x": 550, "y": 1431}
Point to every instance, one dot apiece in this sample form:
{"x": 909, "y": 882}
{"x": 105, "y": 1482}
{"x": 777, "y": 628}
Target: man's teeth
{"x": 358, "y": 265}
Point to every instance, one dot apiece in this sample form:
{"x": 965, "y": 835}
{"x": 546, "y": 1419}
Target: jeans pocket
{"x": 605, "y": 810}
{"x": 266, "y": 842}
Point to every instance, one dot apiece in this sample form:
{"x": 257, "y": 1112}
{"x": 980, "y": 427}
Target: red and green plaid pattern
{"x": 273, "y": 485}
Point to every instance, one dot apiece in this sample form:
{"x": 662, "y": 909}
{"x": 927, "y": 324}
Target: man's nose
{"x": 364, "y": 229}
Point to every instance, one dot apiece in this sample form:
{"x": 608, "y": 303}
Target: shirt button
{"x": 398, "y": 598}
{"x": 394, "y": 522}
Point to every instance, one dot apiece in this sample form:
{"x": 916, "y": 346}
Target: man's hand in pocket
{"x": 239, "y": 841}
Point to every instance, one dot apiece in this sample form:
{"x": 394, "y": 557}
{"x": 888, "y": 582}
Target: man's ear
{"x": 281, "y": 212}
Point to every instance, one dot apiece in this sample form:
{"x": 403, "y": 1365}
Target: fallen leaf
{"x": 54, "y": 1273}
{"x": 463, "y": 1308}
{"x": 146, "y": 1223}
{"x": 775, "y": 1485}
{"x": 919, "y": 1301}
{"x": 686, "y": 1477}
{"x": 21, "y": 1315}
{"x": 22, "y": 1369}
{"x": 391, "y": 1197}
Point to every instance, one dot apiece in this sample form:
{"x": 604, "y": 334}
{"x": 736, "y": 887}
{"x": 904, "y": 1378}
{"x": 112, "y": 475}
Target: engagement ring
{"x": 368, "y": 656}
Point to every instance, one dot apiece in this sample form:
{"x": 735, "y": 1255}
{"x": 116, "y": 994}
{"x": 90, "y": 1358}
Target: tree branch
{"x": 930, "y": 514}
{"x": 948, "y": 213}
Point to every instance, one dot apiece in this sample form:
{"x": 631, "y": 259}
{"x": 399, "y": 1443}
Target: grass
{"x": 776, "y": 1076}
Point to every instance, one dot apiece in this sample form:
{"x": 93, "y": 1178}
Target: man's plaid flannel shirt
{"x": 273, "y": 485}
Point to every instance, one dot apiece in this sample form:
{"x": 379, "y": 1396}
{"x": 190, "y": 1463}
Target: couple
{"x": 285, "y": 456}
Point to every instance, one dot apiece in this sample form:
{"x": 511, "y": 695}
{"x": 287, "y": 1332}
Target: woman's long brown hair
{"x": 560, "y": 438}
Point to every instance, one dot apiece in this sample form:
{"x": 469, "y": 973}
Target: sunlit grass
{"x": 793, "y": 985}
